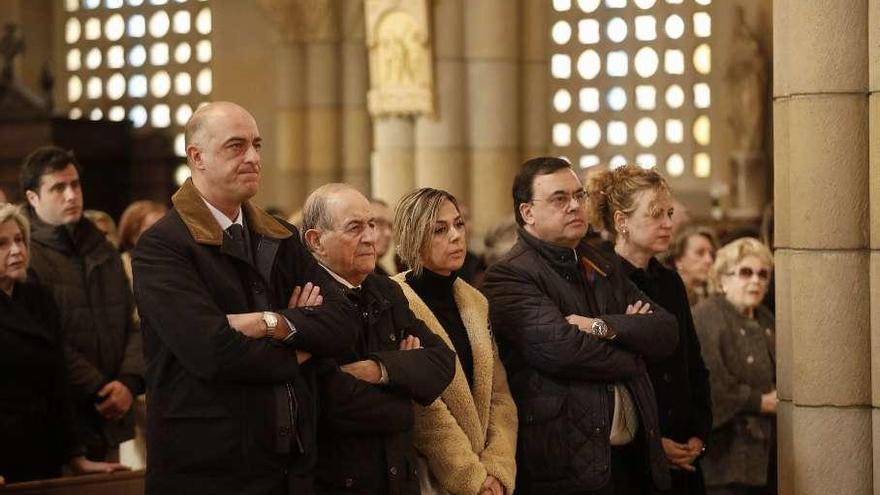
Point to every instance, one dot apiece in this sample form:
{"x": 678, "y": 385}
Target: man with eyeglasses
{"x": 575, "y": 333}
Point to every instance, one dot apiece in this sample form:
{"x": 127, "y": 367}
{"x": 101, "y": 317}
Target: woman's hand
{"x": 492, "y": 487}
{"x": 768, "y": 403}
{"x": 680, "y": 455}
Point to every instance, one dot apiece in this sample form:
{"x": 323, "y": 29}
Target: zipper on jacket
{"x": 292, "y": 409}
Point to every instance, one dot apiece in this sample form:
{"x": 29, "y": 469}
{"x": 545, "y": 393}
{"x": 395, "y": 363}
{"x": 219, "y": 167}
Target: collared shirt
{"x": 222, "y": 219}
{"x": 225, "y": 223}
{"x": 345, "y": 283}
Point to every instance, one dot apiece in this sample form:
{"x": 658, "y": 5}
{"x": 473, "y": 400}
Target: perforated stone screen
{"x": 148, "y": 61}
{"x": 630, "y": 83}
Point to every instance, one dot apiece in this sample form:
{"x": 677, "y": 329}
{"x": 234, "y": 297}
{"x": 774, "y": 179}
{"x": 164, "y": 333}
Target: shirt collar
{"x": 222, "y": 219}
{"x": 345, "y": 283}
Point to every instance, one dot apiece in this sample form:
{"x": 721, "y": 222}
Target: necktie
{"x": 235, "y": 232}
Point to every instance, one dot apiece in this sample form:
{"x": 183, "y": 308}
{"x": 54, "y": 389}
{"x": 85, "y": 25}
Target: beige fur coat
{"x": 466, "y": 435}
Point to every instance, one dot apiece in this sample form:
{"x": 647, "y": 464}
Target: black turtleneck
{"x": 436, "y": 291}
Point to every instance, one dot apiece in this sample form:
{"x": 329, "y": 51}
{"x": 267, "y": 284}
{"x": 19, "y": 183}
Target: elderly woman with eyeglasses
{"x": 738, "y": 342}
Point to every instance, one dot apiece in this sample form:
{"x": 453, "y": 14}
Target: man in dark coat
{"x": 70, "y": 256}
{"x": 231, "y": 406}
{"x": 575, "y": 333}
{"x": 365, "y": 439}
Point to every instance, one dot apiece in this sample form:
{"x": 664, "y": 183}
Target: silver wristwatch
{"x": 599, "y": 328}
{"x": 271, "y": 321}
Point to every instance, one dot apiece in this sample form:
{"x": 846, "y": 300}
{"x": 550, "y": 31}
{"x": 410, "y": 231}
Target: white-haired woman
{"x": 468, "y": 436}
{"x": 738, "y": 341}
{"x": 36, "y": 433}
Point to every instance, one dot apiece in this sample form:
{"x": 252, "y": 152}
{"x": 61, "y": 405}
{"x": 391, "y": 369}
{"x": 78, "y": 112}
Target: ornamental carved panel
{"x": 400, "y": 56}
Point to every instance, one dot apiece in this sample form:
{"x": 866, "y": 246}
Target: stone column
{"x": 440, "y": 155}
{"x": 356, "y": 125}
{"x": 535, "y": 70}
{"x": 393, "y": 157}
{"x": 290, "y": 126}
{"x": 492, "y": 52}
{"x": 821, "y": 197}
{"x": 323, "y": 139}
{"x": 874, "y": 217}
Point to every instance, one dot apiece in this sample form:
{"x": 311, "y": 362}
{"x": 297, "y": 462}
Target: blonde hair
{"x": 732, "y": 253}
{"x": 414, "y": 220}
{"x": 9, "y": 211}
{"x": 615, "y": 190}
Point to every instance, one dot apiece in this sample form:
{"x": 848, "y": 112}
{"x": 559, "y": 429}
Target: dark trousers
{"x": 687, "y": 482}
{"x": 630, "y": 474}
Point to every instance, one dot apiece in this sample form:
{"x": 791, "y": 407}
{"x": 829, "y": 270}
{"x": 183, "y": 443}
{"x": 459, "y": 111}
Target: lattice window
{"x": 630, "y": 83}
{"x": 148, "y": 61}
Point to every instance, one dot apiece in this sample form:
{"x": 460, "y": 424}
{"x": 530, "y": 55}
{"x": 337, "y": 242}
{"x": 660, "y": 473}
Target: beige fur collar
{"x": 469, "y": 407}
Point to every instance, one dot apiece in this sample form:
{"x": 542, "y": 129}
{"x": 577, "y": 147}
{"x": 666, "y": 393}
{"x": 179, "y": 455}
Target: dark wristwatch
{"x": 600, "y": 329}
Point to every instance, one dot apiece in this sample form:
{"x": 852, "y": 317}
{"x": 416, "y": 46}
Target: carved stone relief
{"x": 401, "y": 66}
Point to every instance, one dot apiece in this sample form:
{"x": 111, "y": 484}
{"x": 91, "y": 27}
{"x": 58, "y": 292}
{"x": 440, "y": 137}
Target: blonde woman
{"x": 738, "y": 341}
{"x": 467, "y": 437}
{"x": 635, "y": 206}
{"x": 37, "y": 435}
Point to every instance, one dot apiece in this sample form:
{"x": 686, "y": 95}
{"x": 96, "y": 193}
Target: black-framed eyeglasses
{"x": 747, "y": 273}
{"x": 561, "y": 200}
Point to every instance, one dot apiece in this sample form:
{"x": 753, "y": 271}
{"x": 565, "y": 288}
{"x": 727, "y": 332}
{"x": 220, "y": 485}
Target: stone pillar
{"x": 492, "y": 52}
{"x": 356, "y": 125}
{"x": 821, "y": 169}
{"x": 535, "y": 70}
{"x": 441, "y": 157}
{"x": 290, "y": 126}
{"x": 323, "y": 139}
{"x": 393, "y": 157}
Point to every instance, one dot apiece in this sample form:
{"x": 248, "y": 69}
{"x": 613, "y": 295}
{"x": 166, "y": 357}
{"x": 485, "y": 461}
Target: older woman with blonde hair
{"x": 635, "y": 207}
{"x": 467, "y": 437}
{"x": 36, "y": 430}
{"x": 738, "y": 341}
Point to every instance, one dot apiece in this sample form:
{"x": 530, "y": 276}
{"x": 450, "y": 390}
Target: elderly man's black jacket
{"x": 365, "y": 439}
{"x": 561, "y": 377}
{"x": 228, "y": 413}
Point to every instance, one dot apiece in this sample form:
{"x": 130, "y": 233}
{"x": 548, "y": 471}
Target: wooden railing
{"x": 121, "y": 483}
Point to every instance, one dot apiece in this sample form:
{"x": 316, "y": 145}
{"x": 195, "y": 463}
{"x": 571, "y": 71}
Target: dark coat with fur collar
{"x": 227, "y": 413}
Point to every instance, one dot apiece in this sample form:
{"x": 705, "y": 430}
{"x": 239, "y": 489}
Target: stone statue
{"x": 747, "y": 75}
{"x": 11, "y": 45}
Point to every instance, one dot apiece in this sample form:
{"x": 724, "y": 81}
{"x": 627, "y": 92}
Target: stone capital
{"x": 303, "y": 20}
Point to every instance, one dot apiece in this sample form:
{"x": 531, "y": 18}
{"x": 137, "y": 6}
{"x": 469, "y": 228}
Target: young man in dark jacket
{"x": 575, "y": 334}
{"x": 72, "y": 258}
{"x": 228, "y": 336}
{"x": 365, "y": 434}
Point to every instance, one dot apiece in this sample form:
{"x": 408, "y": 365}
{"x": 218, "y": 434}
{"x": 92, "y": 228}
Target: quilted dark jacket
{"x": 85, "y": 275}
{"x": 561, "y": 378}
